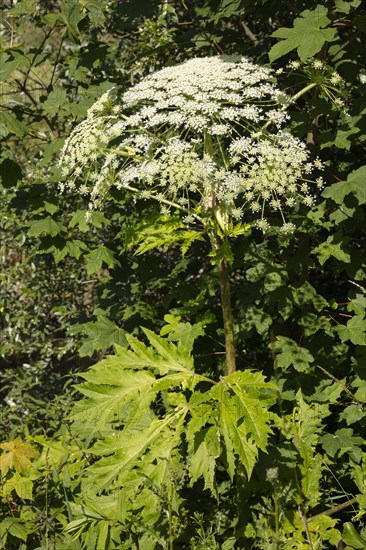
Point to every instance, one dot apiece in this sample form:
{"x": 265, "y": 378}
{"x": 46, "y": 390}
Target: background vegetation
{"x": 70, "y": 291}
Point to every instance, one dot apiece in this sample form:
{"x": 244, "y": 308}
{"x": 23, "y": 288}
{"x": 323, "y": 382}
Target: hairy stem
{"x": 304, "y": 520}
{"x": 227, "y": 317}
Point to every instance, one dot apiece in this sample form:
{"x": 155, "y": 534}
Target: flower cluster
{"x": 272, "y": 173}
{"x": 195, "y": 135}
{"x": 328, "y": 81}
{"x": 208, "y": 93}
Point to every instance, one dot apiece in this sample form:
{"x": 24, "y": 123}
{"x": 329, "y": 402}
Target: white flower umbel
{"x": 270, "y": 173}
{"x": 196, "y": 136}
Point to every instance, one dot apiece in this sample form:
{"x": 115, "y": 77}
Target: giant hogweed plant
{"x": 205, "y": 140}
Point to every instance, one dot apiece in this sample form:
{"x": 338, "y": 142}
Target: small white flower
{"x": 336, "y": 79}
{"x": 294, "y": 64}
{"x": 309, "y": 201}
{"x": 255, "y": 207}
{"x": 263, "y": 225}
{"x": 318, "y": 164}
{"x": 288, "y": 228}
{"x": 317, "y": 64}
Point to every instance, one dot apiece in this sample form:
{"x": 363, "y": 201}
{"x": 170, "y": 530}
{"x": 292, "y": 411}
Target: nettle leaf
{"x": 290, "y": 353}
{"x": 99, "y": 256}
{"x": 15, "y": 527}
{"x": 355, "y": 331}
{"x": 308, "y": 35}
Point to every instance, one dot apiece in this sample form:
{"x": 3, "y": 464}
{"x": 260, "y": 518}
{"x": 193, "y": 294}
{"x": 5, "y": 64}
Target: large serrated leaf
{"x": 237, "y": 441}
{"x": 202, "y": 464}
{"x": 105, "y": 400}
{"x": 308, "y": 35}
{"x": 129, "y": 446}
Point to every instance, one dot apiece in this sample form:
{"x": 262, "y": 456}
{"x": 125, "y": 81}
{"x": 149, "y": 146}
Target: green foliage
{"x": 308, "y": 35}
{"x": 162, "y": 450}
{"x": 144, "y": 405}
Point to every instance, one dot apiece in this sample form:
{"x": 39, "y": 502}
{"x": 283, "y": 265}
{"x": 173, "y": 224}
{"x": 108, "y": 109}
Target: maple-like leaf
{"x": 17, "y": 456}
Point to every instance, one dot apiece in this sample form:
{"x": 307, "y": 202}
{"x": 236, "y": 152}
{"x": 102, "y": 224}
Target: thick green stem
{"x": 227, "y": 316}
